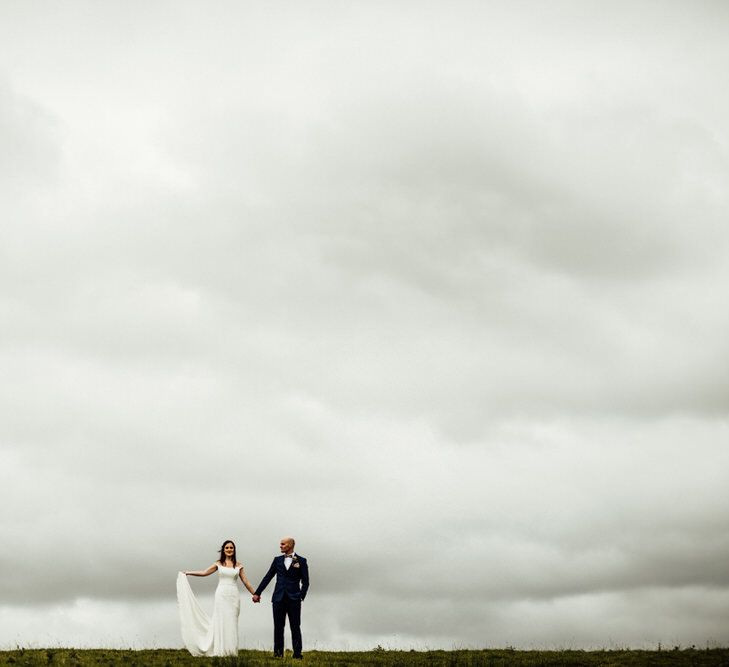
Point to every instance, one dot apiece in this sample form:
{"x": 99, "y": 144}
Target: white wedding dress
{"x": 201, "y": 634}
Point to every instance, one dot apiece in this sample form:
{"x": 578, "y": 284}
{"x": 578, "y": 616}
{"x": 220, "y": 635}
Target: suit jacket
{"x": 292, "y": 583}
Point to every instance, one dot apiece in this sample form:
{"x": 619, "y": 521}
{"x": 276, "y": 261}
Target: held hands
{"x": 256, "y": 598}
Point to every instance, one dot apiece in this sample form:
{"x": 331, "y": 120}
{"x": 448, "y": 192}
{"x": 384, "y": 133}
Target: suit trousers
{"x": 292, "y": 609}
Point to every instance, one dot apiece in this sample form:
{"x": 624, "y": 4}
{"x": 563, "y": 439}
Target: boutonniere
{"x": 295, "y": 561}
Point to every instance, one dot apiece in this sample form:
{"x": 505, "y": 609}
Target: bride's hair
{"x": 221, "y": 560}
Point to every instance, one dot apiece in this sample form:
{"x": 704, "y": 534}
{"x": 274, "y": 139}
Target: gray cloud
{"x": 452, "y": 284}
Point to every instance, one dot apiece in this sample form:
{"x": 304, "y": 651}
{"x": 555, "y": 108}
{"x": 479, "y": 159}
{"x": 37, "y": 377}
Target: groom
{"x": 292, "y": 582}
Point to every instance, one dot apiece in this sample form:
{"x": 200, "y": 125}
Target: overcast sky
{"x": 440, "y": 289}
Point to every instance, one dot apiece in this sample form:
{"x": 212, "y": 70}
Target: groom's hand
{"x": 256, "y": 598}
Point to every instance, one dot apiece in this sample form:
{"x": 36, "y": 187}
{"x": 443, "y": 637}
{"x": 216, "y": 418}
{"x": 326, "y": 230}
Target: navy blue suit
{"x": 289, "y": 593}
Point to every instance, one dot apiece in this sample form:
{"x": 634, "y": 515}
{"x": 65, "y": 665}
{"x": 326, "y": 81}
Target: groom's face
{"x": 285, "y": 546}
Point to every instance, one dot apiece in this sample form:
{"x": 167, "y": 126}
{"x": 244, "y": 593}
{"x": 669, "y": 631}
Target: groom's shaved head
{"x": 287, "y": 544}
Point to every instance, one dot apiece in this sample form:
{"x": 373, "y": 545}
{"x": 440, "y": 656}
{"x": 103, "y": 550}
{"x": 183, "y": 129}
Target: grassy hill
{"x": 690, "y": 657}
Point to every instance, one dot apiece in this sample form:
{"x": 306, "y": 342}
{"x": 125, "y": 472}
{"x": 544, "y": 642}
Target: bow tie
{"x": 288, "y": 555}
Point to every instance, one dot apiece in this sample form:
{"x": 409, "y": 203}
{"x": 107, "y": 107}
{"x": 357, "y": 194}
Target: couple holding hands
{"x": 218, "y": 635}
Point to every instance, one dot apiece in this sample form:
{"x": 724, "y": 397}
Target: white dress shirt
{"x": 288, "y": 560}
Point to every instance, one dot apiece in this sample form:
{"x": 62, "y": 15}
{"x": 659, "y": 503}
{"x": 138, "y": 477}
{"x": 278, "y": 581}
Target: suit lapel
{"x": 291, "y": 570}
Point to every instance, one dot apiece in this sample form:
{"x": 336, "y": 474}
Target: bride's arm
{"x": 245, "y": 581}
{"x": 202, "y": 573}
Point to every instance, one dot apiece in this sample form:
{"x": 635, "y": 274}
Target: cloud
{"x": 29, "y": 135}
{"x": 437, "y": 297}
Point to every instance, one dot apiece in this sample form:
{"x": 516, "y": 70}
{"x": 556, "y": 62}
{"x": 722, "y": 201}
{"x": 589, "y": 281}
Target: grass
{"x": 379, "y": 657}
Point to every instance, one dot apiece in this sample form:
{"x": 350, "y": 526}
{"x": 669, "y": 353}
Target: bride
{"x": 219, "y": 635}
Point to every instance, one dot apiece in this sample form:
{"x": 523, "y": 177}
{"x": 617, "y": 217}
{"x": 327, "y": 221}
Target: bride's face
{"x": 228, "y": 550}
